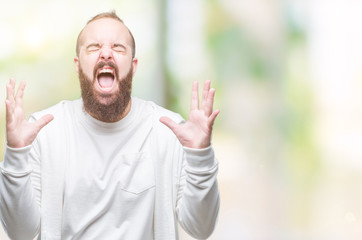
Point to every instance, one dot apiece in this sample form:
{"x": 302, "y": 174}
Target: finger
{"x": 20, "y": 92}
{"x": 9, "y": 102}
{"x": 10, "y": 90}
{"x": 169, "y": 123}
{"x": 206, "y": 90}
{"x": 209, "y": 102}
{"x": 9, "y": 111}
{"x": 42, "y": 122}
{"x": 212, "y": 117}
{"x": 12, "y": 82}
{"x": 195, "y": 96}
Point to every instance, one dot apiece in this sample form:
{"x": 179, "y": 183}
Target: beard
{"x": 106, "y": 107}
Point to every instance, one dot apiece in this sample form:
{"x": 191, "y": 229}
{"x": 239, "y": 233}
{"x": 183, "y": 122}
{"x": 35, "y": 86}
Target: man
{"x": 108, "y": 166}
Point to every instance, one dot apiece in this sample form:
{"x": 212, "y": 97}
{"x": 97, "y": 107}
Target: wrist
{"x": 13, "y": 142}
{"x": 197, "y": 144}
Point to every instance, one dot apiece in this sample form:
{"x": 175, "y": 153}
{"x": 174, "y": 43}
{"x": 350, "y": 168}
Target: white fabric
{"x": 109, "y": 178}
{"x": 87, "y": 179}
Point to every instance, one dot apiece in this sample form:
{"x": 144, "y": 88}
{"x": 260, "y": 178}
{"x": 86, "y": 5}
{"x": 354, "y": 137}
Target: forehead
{"x": 105, "y": 30}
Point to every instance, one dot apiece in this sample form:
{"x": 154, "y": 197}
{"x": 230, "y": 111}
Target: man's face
{"x": 104, "y": 61}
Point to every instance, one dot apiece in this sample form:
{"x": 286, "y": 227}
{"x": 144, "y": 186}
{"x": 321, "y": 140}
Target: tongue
{"x": 105, "y": 81}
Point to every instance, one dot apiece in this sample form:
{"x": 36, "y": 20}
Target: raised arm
{"x": 197, "y": 203}
{"x": 20, "y": 177}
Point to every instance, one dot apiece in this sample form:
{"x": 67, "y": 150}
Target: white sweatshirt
{"x": 86, "y": 179}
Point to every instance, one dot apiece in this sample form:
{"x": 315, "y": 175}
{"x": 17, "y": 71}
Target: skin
{"x": 20, "y": 132}
{"x": 107, "y": 39}
{"x": 196, "y": 132}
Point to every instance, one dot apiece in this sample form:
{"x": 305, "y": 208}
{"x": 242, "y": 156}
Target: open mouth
{"x": 106, "y": 78}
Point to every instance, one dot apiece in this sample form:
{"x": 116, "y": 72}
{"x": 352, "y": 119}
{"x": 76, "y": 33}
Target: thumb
{"x": 42, "y": 122}
{"x": 169, "y": 123}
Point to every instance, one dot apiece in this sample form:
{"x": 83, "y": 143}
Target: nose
{"x": 106, "y": 54}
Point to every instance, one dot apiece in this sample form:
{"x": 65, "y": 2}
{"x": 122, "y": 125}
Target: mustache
{"x": 103, "y": 64}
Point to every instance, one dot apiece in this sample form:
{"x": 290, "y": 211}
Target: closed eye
{"x": 93, "y": 47}
{"x": 119, "y": 48}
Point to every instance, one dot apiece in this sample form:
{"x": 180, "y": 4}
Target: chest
{"x": 109, "y": 183}
{"x": 119, "y": 160}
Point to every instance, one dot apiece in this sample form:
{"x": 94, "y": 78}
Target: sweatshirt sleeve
{"x": 198, "y": 195}
{"x": 20, "y": 193}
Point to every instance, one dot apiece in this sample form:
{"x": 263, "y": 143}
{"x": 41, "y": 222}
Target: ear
{"x": 76, "y": 64}
{"x": 134, "y": 65}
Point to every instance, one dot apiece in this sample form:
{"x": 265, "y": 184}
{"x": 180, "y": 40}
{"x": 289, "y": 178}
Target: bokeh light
{"x": 287, "y": 75}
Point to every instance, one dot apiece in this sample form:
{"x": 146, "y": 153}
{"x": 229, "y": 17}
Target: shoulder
{"x": 58, "y": 109}
{"x": 64, "y": 114}
{"x": 149, "y": 107}
{"x": 163, "y": 137}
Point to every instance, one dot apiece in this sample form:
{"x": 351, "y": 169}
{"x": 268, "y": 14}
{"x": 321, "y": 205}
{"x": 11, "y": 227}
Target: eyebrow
{"x": 119, "y": 45}
{"x": 93, "y": 45}
{"x": 98, "y": 45}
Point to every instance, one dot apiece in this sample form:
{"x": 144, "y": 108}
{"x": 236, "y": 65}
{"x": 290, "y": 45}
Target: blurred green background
{"x": 288, "y": 83}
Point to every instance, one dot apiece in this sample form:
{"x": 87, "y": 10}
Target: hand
{"x": 20, "y": 132}
{"x": 196, "y": 132}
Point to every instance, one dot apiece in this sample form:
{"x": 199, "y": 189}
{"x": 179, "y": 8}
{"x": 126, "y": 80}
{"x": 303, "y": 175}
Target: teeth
{"x": 106, "y": 71}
